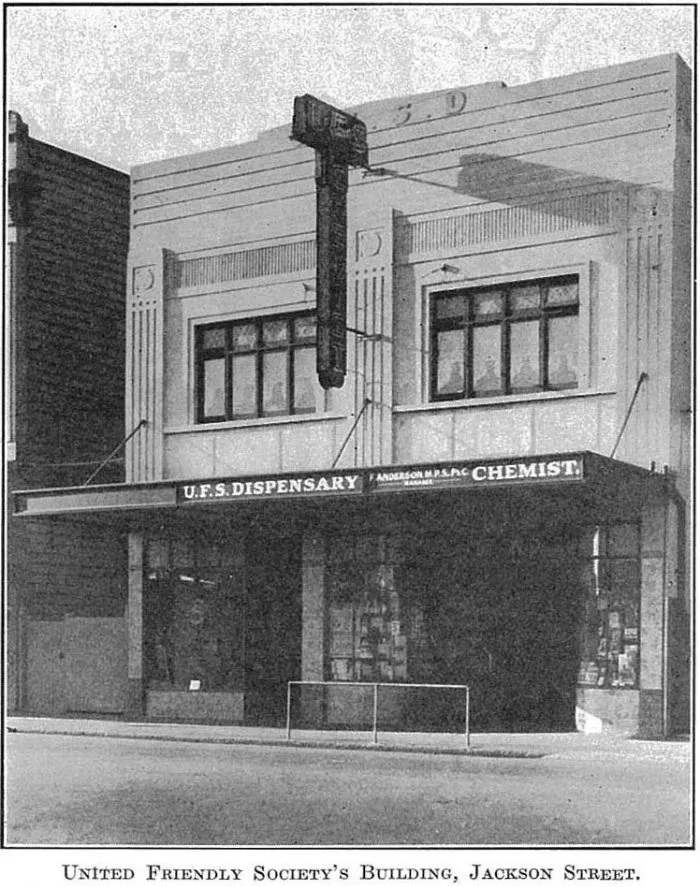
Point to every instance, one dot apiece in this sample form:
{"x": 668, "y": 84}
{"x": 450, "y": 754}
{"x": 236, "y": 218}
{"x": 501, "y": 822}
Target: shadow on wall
{"x": 492, "y": 178}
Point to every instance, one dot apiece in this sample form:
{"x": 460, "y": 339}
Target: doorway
{"x": 273, "y": 625}
{"x": 503, "y": 618}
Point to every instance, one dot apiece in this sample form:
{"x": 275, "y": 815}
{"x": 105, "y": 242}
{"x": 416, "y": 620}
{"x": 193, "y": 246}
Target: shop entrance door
{"x": 504, "y": 621}
{"x": 536, "y": 662}
{"x": 273, "y": 627}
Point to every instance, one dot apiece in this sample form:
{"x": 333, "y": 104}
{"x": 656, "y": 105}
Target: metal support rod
{"x": 642, "y": 378}
{"x": 350, "y": 433}
{"x": 466, "y": 718}
{"x": 374, "y": 719}
{"x": 115, "y": 451}
{"x": 289, "y": 709}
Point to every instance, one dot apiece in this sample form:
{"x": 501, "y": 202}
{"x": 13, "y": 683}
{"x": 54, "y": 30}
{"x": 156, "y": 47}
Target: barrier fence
{"x": 375, "y": 699}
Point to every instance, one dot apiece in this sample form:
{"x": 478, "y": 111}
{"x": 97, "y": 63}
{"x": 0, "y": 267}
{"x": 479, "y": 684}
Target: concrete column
{"x": 313, "y": 609}
{"x": 313, "y": 629}
{"x": 135, "y": 702}
{"x": 652, "y": 622}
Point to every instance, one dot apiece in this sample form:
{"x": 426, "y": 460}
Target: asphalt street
{"x": 75, "y": 790}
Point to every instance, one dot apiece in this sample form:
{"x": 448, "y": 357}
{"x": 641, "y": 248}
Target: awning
{"x": 597, "y": 475}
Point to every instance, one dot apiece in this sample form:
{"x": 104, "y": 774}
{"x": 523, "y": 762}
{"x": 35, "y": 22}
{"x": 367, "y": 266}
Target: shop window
{"x": 610, "y": 628}
{"x": 507, "y": 339}
{"x": 193, "y": 617}
{"x": 369, "y": 625}
{"x": 257, "y": 368}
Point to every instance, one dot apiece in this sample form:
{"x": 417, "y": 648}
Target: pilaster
{"x": 144, "y": 366}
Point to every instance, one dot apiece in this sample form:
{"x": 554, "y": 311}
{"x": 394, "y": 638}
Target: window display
{"x": 610, "y": 628}
{"x": 370, "y": 628}
{"x": 193, "y": 617}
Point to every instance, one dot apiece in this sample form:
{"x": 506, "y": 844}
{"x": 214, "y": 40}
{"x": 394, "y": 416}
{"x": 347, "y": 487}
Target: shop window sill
{"x": 255, "y": 423}
{"x": 502, "y": 400}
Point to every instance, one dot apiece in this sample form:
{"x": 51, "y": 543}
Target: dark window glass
{"x": 451, "y": 306}
{"x": 305, "y": 329}
{"x": 562, "y": 294}
{"x": 512, "y": 338}
{"x": 260, "y": 367}
{"x": 245, "y": 337}
{"x": 610, "y": 629}
{"x": 487, "y": 304}
{"x": 525, "y": 298}
{"x": 275, "y": 333}
{"x": 214, "y": 338}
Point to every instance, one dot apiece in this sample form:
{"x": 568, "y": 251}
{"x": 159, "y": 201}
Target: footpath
{"x": 515, "y": 745}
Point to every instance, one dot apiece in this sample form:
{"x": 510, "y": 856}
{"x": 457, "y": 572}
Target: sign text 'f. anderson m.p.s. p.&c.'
{"x": 475, "y": 474}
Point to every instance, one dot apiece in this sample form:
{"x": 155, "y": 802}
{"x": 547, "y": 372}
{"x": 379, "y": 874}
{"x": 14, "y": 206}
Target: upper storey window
{"x": 507, "y": 339}
{"x": 256, "y": 368}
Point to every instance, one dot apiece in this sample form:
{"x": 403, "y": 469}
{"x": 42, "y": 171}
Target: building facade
{"x": 496, "y": 497}
{"x": 67, "y": 241}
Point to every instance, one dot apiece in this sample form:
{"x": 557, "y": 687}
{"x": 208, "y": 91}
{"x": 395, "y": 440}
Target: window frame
{"x": 227, "y": 352}
{"x": 505, "y": 319}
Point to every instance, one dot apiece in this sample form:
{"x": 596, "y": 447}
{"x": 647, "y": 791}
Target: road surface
{"x": 73, "y": 790}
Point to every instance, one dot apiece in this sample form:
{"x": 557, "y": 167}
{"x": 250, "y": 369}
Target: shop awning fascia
{"x": 104, "y": 498}
{"x": 588, "y": 472}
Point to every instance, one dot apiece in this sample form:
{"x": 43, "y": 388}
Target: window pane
{"x": 245, "y": 396}
{"x": 562, "y": 294}
{"x": 275, "y": 332}
{"x": 488, "y": 303}
{"x": 305, "y": 329}
{"x": 563, "y": 348}
{"x": 245, "y": 337}
{"x": 308, "y": 394}
{"x": 214, "y": 388}
{"x": 450, "y": 306}
{"x": 525, "y": 298}
{"x": 487, "y": 358}
{"x": 213, "y": 338}
{"x": 275, "y": 394}
{"x": 524, "y": 355}
{"x": 450, "y": 362}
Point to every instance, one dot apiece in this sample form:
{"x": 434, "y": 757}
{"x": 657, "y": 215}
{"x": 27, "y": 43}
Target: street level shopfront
{"x": 546, "y": 584}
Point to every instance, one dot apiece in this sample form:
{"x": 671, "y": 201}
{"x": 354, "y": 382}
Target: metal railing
{"x": 375, "y": 700}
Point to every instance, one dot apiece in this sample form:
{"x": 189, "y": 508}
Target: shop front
{"x": 541, "y": 583}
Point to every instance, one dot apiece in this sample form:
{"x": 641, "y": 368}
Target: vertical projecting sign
{"x": 340, "y": 140}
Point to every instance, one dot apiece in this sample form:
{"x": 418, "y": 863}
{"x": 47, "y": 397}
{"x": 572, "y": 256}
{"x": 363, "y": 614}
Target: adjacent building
{"x": 66, "y": 248}
{"x": 497, "y": 496}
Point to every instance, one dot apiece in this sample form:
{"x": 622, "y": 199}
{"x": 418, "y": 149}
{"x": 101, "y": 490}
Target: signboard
{"x": 339, "y": 140}
{"x": 476, "y": 474}
{"x": 321, "y": 126}
{"x": 331, "y": 270}
{"x": 301, "y": 486}
{"x": 386, "y": 480}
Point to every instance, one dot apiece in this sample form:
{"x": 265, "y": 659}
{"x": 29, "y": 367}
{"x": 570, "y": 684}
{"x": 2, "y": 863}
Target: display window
{"x": 374, "y": 626}
{"x": 610, "y": 568}
{"x": 193, "y": 617}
